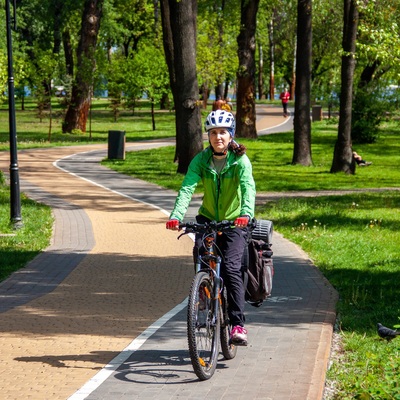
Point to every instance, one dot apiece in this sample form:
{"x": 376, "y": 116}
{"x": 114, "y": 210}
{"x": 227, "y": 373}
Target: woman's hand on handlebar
{"x": 242, "y": 222}
{"x": 173, "y": 224}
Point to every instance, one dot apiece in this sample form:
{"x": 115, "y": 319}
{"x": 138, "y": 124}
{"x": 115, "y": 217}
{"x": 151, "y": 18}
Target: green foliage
{"x": 3, "y": 77}
{"x": 326, "y": 60}
{"x": 143, "y": 73}
{"x": 151, "y": 72}
{"x": 378, "y": 37}
{"x": 369, "y": 110}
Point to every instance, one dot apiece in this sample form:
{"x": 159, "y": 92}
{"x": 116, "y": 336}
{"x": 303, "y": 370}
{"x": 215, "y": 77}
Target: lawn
{"x": 354, "y": 240}
{"x": 35, "y": 132}
{"x": 271, "y": 157}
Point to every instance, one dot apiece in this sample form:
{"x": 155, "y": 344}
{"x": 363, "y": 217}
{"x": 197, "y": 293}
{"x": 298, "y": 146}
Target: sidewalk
{"x": 106, "y": 278}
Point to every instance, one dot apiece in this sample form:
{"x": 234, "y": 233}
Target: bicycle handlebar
{"x": 207, "y": 227}
{"x": 210, "y": 227}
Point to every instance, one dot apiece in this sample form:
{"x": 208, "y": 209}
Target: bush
{"x": 369, "y": 109}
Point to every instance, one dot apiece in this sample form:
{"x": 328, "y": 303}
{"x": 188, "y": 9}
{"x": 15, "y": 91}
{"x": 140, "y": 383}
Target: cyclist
{"x": 229, "y": 194}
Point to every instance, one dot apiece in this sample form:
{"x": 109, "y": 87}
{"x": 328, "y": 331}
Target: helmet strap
{"x": 221, "y": 153}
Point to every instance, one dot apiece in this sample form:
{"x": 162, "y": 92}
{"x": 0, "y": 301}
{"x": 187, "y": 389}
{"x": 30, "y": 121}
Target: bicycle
{"x": 207, "y": 317}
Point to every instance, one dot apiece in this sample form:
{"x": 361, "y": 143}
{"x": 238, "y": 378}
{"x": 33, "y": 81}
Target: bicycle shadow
{"x": 159, "y": 367}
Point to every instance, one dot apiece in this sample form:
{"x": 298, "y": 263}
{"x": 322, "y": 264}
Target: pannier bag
{"x": 257, "y": 264}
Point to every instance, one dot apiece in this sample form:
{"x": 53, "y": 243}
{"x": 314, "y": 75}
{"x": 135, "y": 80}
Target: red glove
{"x": 173, "y": 224}
{"x": 241, "y": 222}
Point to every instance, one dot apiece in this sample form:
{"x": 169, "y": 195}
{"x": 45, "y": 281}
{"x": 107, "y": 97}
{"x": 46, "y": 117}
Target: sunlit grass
{"x": 353, "y": 240}
{"x": 271, "y": 157}
{"x": 18, "y": 246}
{"x": 31, "y": 132}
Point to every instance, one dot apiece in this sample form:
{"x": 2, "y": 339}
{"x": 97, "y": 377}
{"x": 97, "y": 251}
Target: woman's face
{"x": 219, "y": 139}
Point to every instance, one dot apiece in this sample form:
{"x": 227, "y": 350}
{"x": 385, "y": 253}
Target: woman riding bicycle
{"x": 229, "y": 194}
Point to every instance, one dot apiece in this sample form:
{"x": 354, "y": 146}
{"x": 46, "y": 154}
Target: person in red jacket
{"x": 285, "y": 97}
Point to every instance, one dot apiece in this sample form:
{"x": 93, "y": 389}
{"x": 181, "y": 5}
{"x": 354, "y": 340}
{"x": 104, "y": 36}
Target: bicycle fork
{"x": 215, "y": 269}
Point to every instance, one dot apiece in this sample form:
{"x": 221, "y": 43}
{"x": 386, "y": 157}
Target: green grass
{"x": 17, "y": 247}
{"x": 353, "y": 239}
{"x": 31, "y": 132}
{"x": 271, "y": 157}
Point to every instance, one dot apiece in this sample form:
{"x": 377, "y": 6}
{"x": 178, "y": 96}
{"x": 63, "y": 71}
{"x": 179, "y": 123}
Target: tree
{"x": 326, "y": 48}
{"x": 246, "y": 109}
{"x": 179, "y": 32}
{"x": 216, "y": 51}
{"x": 302, "y": 122}
{"x": 78, "y": 110}
{"x": 378, "y": 53}
{"x": 271, "y": 59}
{"x": 343, "y": 155}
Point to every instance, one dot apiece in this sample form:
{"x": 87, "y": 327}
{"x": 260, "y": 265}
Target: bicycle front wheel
{"x": 203, "y": 326}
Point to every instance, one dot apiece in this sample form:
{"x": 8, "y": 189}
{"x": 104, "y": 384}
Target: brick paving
{"x": 112, "y": 270}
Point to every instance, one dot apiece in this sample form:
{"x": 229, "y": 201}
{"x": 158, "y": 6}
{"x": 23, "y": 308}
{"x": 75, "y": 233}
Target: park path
{"x": 112, "y": 270}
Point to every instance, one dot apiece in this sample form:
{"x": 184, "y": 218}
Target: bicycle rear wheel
{"x": 203, "y": 327}
{"x": 228, "y": 350}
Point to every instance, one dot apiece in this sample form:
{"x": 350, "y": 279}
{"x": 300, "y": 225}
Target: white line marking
{"x": 55, "y": 163}
{"x": 276, "y": 126}
{"x": 115, "y": 363}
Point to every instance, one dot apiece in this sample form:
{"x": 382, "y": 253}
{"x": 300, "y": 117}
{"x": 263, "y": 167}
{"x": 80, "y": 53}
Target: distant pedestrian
{"x": 285, "y": 97}
{"x": 228, "y": 104}
{"x": 218, "y": 104}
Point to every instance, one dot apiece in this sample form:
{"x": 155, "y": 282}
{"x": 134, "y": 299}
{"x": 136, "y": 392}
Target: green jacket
{"x": 229, "y": 195}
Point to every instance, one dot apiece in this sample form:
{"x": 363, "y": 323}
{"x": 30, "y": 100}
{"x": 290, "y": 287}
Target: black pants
{"x": 231, "y": 245}
{"x": 284, "y": 105}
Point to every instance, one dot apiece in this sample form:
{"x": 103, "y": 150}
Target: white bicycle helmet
{"x": 221, "y": 119}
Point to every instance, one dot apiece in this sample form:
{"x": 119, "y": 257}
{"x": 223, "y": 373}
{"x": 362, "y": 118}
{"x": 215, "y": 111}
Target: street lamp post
{"x": 15, "y": 197}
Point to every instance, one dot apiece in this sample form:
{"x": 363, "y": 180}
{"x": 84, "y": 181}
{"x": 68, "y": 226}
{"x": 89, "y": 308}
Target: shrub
{"x": 368, "y": 111}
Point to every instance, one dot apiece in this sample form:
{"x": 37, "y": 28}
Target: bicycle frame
{"x": 214, "y": 267}
{"x": 208, "y": 323}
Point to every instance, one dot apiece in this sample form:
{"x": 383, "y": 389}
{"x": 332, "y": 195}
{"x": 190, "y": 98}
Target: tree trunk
{"x": 271, "y": 60}
{"x": 58, "y": 15}
{"x": 260, "y": 73}
{"x": 179, "y": 34}
{"x": 302, "y": 121}
{"x": 292, "y": 84}
{"x": 246, "y": 108}
{"x": 343, "y": 154}
{"x": 68, "y": 53}
{"x": 78, "y": 110}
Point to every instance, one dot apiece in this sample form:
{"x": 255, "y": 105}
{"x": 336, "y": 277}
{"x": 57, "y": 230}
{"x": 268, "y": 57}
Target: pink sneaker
{"x": 239, "y": 336}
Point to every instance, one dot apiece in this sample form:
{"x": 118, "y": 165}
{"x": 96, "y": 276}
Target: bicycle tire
{"x": 203, "y": 334}
{"x": 263, "y": 230}
{"x": 228, "y": 350}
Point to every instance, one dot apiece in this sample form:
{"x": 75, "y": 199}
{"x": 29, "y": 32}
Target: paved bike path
{"x": 50, "y": 343}
{"x": 289, "y": 335}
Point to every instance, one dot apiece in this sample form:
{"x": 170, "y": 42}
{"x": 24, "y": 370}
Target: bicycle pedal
{"x": 238, "y": 342}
